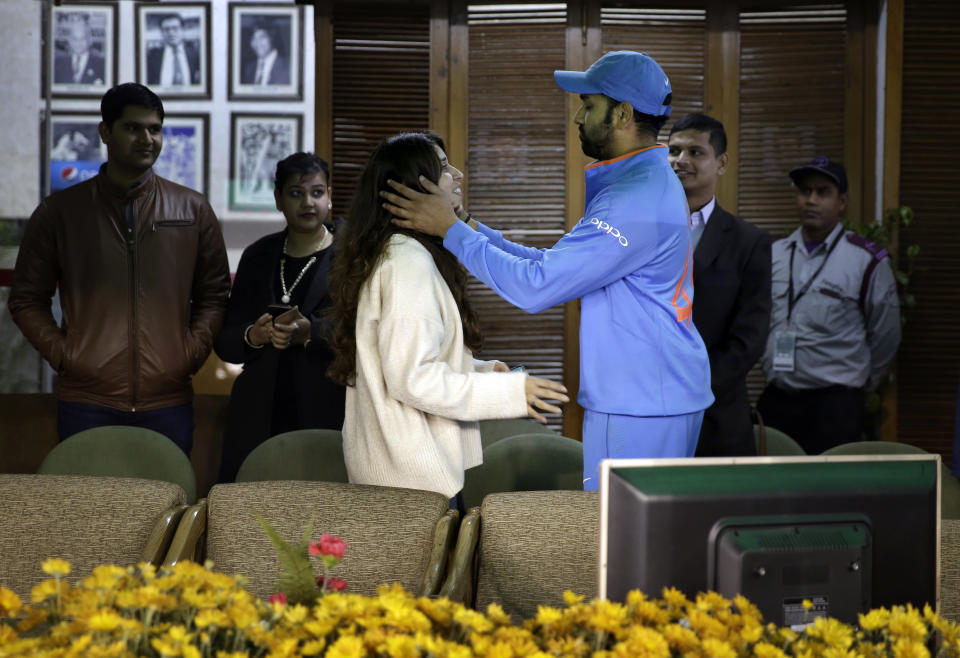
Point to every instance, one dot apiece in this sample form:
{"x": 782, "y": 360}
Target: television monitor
{"x": 848, "y": 533}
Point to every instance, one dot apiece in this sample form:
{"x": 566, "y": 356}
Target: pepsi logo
{"x": 69, "y": 173}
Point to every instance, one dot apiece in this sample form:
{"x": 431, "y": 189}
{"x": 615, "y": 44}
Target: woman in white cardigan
{"x": 403, "y": 334}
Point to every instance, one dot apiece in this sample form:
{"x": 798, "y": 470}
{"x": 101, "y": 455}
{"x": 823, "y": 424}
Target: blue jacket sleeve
{"x": 497, "y": 240}
{"x": 592, "y": 255}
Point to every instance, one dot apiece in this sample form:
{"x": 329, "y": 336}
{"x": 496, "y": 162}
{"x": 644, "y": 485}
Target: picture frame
{"x": 82, "y": 57}
{"x": 265, "y": 57}
{"x": 173, "y": 48}
{"x": 186, "y": 144}
{"x": 75, "y": 151}
{"x": 257, "y": 143}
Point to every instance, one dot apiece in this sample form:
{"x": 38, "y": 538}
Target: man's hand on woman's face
{"x": 430, "y": 213}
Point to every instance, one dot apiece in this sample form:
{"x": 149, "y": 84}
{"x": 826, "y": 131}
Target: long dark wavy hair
{"x": 361, "y": 244}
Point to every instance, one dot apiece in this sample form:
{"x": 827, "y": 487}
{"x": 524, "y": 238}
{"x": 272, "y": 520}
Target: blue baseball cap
{"x": 623, "y": 75}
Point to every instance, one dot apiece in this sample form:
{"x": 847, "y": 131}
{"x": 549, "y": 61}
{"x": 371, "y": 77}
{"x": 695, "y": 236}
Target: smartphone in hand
{"x": 276, "y": 310}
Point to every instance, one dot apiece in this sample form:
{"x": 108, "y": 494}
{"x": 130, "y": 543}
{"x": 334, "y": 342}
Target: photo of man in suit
{"x": 263, "y": 64}
{"x": 177, "y": 61}
{"x": 79, "y": 64}
{"x": 731, "y": 279}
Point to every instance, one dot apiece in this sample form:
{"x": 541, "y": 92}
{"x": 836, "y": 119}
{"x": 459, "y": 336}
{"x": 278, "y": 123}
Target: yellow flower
{"x": 43, "y": 590}
{"x": 607, "y": 616}
{"x": 907, "y": 649}
{"x": 313, "y": 647}
{"x": 907, "y": 623}
{"x": 233, "y": 654}
{"x": 347, "y": 647}
{"x": 211, "y": 617}
{"x": 473, "y": 620}
{"x": 766, "y": 650}
{"x": 10, "y": 603}
{"x": 7, "y": 635}
{"x": 496, "y": 614}
{"x": 675, "y": 597}
{"x": 547, "y": 615}
{"x": 643, "y": 642}
{"x": 833, "y": 633}
{"x": 650, "y": 611}
{"x": 807, "y": 605}
{"x": 55, "y": 567}
{"x": 874, "y": 620}
{"x": 711, "y": 601}
{"x": 714, "y": 648}
{"x": 105, "y": 620}
{"x": 572, "y": 599}
{"x": 401, "y": 646}
{"x": 679, "y": 638}
{"x": 295, "y": 614}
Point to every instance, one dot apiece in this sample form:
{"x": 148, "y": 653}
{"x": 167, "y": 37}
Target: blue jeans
{"x": 635, "y": 437}
{"x": 175, "y": 423}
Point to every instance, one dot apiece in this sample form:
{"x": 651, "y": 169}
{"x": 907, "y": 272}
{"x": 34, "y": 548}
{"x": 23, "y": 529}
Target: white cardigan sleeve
{"x": 411, "y": 342}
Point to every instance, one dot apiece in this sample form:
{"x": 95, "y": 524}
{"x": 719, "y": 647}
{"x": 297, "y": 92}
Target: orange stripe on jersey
{"x": 600, "y": 163}
{"x": 684, "y": 313}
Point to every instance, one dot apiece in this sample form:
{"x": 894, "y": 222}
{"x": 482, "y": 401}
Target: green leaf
{"x": 909, "y": 300}
{"x": 906, "y": 215}
{"x": 913, "y": 251}
{"x": 296, "y": 576}
{"x": 901, "y": 277}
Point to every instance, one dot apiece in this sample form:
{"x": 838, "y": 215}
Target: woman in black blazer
{"x": 273, "y": 324}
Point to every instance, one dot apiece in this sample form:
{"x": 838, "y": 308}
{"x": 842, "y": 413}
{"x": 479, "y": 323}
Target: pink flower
{"x": 280, "y": 598}
{"x": 337, "y": 584}
{"x": 333, "y": 546}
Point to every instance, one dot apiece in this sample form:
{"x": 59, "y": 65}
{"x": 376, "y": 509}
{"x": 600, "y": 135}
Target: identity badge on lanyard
{"x": 785, "y": 341}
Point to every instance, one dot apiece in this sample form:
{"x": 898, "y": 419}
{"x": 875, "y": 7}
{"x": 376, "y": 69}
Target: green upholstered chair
{"x": 312, "y": 454}
{"x": 528, "y": 462}
{"x": 395, "y": 535}
{"x": 949, "y": 485}
{"x": 494, "y": 430}
{"x": 771, "y": 442}
{"x": 118, "y": 451}
{"x": 533, "y": 545}
{"x": 88, "y": 520}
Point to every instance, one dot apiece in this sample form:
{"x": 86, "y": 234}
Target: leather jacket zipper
{"x": 134, "y": 351}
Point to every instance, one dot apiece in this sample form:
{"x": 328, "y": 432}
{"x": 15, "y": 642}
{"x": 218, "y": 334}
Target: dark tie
{"x": 177, "y": 73}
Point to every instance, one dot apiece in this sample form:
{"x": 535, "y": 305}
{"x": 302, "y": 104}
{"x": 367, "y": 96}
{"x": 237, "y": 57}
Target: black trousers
{"x": 818, "y": 418}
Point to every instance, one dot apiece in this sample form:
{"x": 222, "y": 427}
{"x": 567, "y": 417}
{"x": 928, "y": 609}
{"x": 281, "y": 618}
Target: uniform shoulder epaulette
{"x": 876, "y": 250}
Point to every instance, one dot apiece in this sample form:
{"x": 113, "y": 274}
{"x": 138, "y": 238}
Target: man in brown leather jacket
{"x": 143, "y": 278}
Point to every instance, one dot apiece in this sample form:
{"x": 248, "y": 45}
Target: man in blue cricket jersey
{"x": 644, "y": 371}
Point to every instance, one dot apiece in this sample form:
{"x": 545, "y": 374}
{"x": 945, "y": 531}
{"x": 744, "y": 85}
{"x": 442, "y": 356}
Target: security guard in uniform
{"x": 835, "y": 321}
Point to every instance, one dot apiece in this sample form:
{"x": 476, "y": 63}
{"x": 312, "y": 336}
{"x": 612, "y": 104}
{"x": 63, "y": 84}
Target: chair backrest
{"x": 534, "y": 545}
{"x": 313, "y": 454}
{"x": 949, "y": 484}
{"x": 528, "y": 462}
{"x": 117, "y": 451}
{"x": 950, "y": 569}
{"x": 86, "y": 520}
{"x": 390, "y": 531}
{"x": 778, "y": 444}
{"x": 496, "y": 429}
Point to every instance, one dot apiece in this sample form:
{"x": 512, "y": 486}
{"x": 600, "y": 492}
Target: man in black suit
{"x": 176, "y": 62}
{"x": 79, "y": 65}
{"x": 268, "y": 66}
{"x": 731, "y": 279}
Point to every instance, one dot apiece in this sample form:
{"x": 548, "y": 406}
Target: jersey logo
{"x": 610, "y": 230}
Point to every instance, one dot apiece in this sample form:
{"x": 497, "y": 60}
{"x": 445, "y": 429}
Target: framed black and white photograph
{"x": 173, "y": 49}
{"x": 83, "y": 49}
{"x": 265, "y": 55}
{"x": 75, "y": 152}
{"x": 257, "y": 143}
{"x": 185, "y": 147}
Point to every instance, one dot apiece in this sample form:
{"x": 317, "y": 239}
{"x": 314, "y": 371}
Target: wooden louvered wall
{"x": 676, "y": 38}
{"x": 381, "y": 83}
{"x": 515, "y": 166}
{"x": 791, "y": 105}
{"x": 929, "y": 360}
